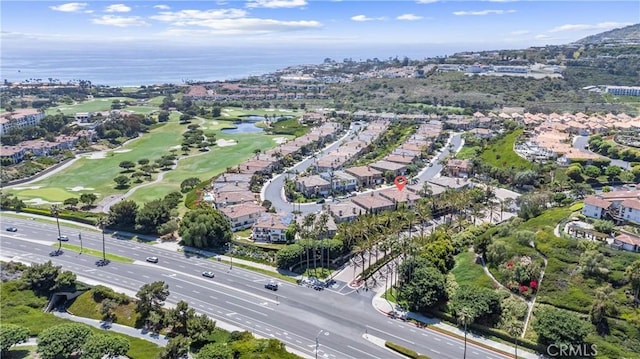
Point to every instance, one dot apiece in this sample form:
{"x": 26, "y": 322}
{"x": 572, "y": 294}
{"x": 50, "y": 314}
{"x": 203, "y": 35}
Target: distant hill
{"x": 625, "y": 35}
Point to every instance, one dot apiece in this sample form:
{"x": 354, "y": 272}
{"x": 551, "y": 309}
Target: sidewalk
{"x": 157, "y": 339}
{"x": 393, "y": 310}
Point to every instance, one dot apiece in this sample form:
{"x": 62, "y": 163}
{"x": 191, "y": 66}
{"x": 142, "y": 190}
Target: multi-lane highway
{"x": 296, "y": 315}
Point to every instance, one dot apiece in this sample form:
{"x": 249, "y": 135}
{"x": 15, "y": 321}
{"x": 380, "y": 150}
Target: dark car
{"x": 208, "y": 274}
{"x": 152, "y": 259}
{"x": 63, "y": 239}
{"x": 271, "y": 285}
{"x": 12, "y": 229}
{"x": 320, "y": 201}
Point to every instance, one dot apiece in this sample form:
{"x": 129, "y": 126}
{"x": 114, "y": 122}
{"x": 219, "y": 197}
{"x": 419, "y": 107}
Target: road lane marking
{"x": 392, "y": 335}
{"x": 363, "y": 352}
{"x": 245, "y": 308}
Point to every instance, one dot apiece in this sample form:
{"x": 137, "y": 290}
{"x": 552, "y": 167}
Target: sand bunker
{"x": 214, "y": 123}
{"x": 96, "y": 155}
{"x": 27, "y": 187}
{"x": 122, "y": 151}
{"x": 280, "y": 140}
{"x": 80, "y": 188}
{"x": 39, "y": 201}
{"x": 225, "y": 143}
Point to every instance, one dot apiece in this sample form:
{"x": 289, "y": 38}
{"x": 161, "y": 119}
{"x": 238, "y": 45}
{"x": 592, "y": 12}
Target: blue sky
{"x": 476, "y": 25}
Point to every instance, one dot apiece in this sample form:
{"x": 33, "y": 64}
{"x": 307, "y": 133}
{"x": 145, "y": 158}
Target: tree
{"x": 559, "y": 326}
{"x": 612, "y": 171}
{"x": 61, "y": 341}
{"x": 188, "y": 184}
{"x": 627, "y": 176}
{"x": 41, "y": 278}
{"x": 199, "y": 327}
{"x": 123, "y": 214}
{"x": 71, "y": 202}
{"x": 122, "y": 181}
{"x": 632, "y": 274}
{"x": 604, "y": 226}
{"x": 10, "y": 335}
{"x": 514, "y": 328}
{"x": 592, "y": 262}
{"x": 163, "y": 116}
{"x": 465, "y": 316}
{"x": 483, "y": 303}
{"x": 481, "y": 243}
{"x": 524, "y": 178}
{"x": 88, "y": 198}
{"x": 205, "y": 227}
{"x": 179, "y": 316}
{"x": 107, "y": 306}
{"x": 98, "y": 346}
{"x": 592, "y": 171}
{"x": 65, "y": 281}
{"x": 177, "y": 348}
{"x": 441, "y": 254}
{"x": 598, "y": 311}
{"x": 127, "y": 165}
{"x": 215, "y": 351}
{"x": 422, "y": 284}
{"x": 153, "y": 214}
{"x": 143, "y": 161}
{"x": 151, "y": 298}
{"x": 496, "y": 253}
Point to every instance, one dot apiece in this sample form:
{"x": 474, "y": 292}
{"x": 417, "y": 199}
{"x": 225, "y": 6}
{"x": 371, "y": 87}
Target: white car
{"x": 152, "y": 259}
{"x": 208, "y": 274}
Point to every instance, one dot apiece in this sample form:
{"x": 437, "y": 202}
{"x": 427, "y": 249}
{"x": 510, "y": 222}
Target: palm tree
{"x": 55, "y": 211}
{"x": 514, "y": 328}
{"x": 423, "y": 212}
{"x": 102, "y": 223}
{"x": 465, "y": 317}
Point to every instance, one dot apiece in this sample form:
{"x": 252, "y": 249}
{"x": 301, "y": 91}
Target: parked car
{"x": 320, "y": 201}
{"x": 208, "y": 274}
{"x": 271, "y": 285}
{"x": 152, "y": 259}
{"x": 12, "y": 229}
{"x": 63, "y": 239}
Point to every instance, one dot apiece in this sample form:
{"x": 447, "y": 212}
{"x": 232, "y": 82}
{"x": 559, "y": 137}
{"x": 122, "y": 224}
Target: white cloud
{"x": 244, "y": 26}
{"x": 69, "y": 7}
{"x": 520, "y": 32}
{"x": 120, "y": 21}
{"x": 362, "y": 18}
{"x": 482, "y": 12}
{"x": 581, "y": 27}
{"x": 162, "y": 7}
{"x": 426, "y": 1}
{"x": 275, "y": 3}
{"x": 193, "y": 17}
{"x": 541, "y": 37}
{"x": 117, "y": 8}
{"x": 409, "y": 17}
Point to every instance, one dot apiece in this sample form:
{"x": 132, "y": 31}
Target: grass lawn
{"x": 85, "y": 306}
{"x": 467, "y": 272}
{"x": 501, "y": 154}
{"x": 95, "y": 253}
{"x": 95, "y": 105}
{"x": 467, "y": 152}
{"x": 143, "y": 110}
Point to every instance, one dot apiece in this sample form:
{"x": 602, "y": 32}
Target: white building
{"x": 19, "y": 119}
{"x": 242, "y": 216}
{"x": 623, "y": 90}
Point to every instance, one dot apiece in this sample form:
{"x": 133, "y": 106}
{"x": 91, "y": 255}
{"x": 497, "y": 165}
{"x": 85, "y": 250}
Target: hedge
{"x": 82, "y": 217}
{"x": 404, "y": 351}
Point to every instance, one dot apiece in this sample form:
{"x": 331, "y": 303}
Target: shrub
{"x": 404, "y": 351}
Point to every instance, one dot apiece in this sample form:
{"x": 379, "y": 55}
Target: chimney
{"x": 340, "y": 213}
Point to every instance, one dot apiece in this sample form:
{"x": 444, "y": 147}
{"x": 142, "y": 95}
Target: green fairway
{"x": 95, "y": 174}
{"x": 95, "y": 105}
{"x": 143, "y": 110}
{"x": 237, "y": 112}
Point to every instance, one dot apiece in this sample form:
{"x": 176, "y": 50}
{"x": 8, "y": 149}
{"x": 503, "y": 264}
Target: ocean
{"x": 157, "y": 65}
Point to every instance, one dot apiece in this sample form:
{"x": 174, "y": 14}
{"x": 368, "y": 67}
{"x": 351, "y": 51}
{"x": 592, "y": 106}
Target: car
{"x": 320, "y": 201}
{"x": 208, "y": 274}
{"x": 152, "y": 259}
{"x": 12, "y": 229}
{"x": 271, "y": 285}
{"x": 63, "y": 239}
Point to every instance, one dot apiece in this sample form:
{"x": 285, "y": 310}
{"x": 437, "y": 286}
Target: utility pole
{"x": 80, "y": 238}
{"x": 230, "y": 255}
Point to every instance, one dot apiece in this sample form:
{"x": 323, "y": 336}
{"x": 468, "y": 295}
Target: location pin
{"x": 400, "y": 182}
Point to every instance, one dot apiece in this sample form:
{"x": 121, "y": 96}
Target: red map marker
{"x": 400, "y": 182}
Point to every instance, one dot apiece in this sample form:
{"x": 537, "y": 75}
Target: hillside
{"x": 625, "y": 35}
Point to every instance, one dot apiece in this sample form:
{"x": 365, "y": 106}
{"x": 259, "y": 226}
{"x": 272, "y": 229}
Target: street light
{"x": 80, "y": 238}
{"x": 56, "y": 212}
{"x": 317, "y": 342}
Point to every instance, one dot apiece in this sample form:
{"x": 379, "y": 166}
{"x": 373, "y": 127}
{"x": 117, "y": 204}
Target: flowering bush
{"x": 521, "y": 275}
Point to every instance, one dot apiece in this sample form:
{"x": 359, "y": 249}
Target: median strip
{"x": 93, "y": 252}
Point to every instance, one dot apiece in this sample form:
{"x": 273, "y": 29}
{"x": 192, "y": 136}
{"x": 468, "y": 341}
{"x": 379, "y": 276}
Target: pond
{"x": 243, "y": 127}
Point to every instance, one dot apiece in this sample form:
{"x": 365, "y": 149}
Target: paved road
{"x": 274, "y": 192}
{"x": 582, "y": 142}
{"x": 293, "y": 314}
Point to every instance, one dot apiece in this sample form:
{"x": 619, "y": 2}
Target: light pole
{"x": 80, "y": 238}
{"x": 230, "y": 255}
{"x": 317, "y": 342}
{"x": 56, "y": 212}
